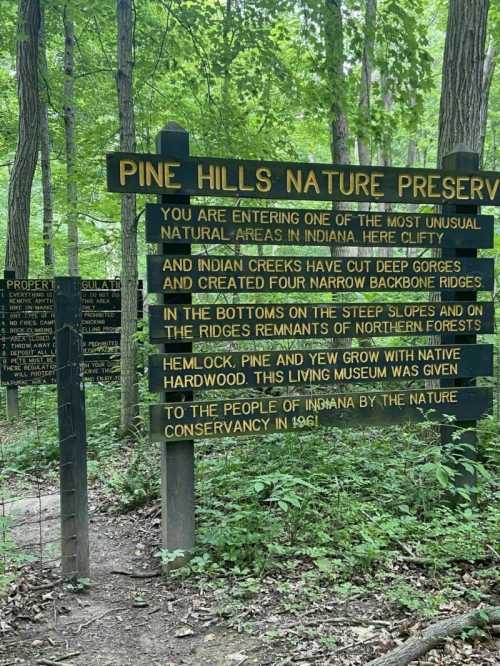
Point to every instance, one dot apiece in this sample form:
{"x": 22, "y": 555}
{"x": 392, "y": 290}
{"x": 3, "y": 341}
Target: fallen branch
{"x": 45, "y": 586}
{"x": 99, "y": 617}
{"x": 137, "y": 574}
{"x": 435, "y": 634}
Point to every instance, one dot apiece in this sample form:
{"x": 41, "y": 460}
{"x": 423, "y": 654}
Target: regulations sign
{"x": 286, "y": 321}
{"x": 179, "y": 421}
{"x": 27, "y": 330}
{"x": 220, "y": 177}
{"x": 170, "y": 273}
{"x": 38, "y": 370}
{"x": 290, "y": 226}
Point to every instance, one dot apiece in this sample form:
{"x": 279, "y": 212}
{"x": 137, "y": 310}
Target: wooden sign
{"x": 170, "y": 273}
{"x": 27, "y": 330}
{"x": 220, "y": 177}
{"x": 177, "y": 224}
{"x": 260, "y": 416}
{"x": 282, "y": 321}
{"x": 229, "y": 370}
{"x": 26, "y": 346}
{"x": 42, "y": 370}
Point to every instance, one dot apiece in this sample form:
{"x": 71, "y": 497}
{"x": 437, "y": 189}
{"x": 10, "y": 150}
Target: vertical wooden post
{"x": 72, "y": 428}
{"x": 12, "y": 392}
{"x": 177, "y": 458}
{"x": 460, "y": 159}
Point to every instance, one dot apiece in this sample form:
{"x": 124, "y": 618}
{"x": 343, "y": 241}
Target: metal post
{"x": 72, "y": 428}
{"x": 463, "y": 160}
{"x": 12, "y": 397}
{"x": 177, "y": 458}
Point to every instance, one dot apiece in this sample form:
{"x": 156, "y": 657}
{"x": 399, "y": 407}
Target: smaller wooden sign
{"x": 233, "y": 370}
{"x": 178, "y": 421}
{"x": 281, "y": 321}
{"x": 199, "y": 274}
{"x": 175, "y": 223}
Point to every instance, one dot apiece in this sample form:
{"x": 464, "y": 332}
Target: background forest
{"x": 356, "y": 512}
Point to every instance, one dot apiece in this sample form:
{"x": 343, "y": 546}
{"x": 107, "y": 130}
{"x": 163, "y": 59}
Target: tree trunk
{"x": 386, "y": 147}
{"x": 339, "y": 131}
{"x": 489, "y": 70}
{"x": 364, "y": 119}
{"x": 364, "y": 149}
{"x": 129, "y": 395}
{"x": 436, "y": 634}
{"x": 462, "y": 82}
{"x": 69, "y": 135}
{"x": 461, "y": 89}
{"x": 23, "y": 170}
{"x": 334, "y": 52}
{"x": 48, "y": 214}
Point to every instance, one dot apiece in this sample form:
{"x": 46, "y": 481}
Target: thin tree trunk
{"x": 129, "y": 395}
{"x": 364, "y": 149}
{"x": 411, "y": 159}
{"x": 339, "y": 131}
{"x": 386, "y": 147}
{"x": 462, "y": 82}
{"x": 489, "y": 70}
{"x": 69, "y": 135}
{"x": 23, "y": 170}
{"x": 48, "y": 214}
{"x": 363, "y": 138}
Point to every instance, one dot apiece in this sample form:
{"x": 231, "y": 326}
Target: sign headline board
{"x": 289, "y": 226}
{"x": 221, "y": 370}
{"x": 180, "y": 421}
{"x": 282, "y": 321}
{"x": 170, "y": 273}
{"x": 209, "y": 176}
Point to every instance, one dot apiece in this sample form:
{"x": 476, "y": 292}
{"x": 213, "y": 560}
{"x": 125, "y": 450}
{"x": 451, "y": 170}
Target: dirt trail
{"x": 156, "y": 622}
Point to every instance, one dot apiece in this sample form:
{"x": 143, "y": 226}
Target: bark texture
{"x": 48, "y": 209}
{"x": 129, "y": 397}
{"x": 69, "y": 136}
{"x": 489, "y": 70}
{"x": 23, "y": 170}
{"x": 435, "y": 634}
{"x": 334, "y": 52}
{"x": 462, "y": 84}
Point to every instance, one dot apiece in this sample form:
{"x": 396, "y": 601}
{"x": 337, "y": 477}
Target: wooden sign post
{"x": 465, "y": 446}
{"x": 72, "y": 429}
{"x": 458, "y": 274}
{"x": 177, "y": 461}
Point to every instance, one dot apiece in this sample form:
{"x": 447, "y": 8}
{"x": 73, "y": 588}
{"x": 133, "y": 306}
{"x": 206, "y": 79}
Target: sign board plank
{"x": 282, "y": 321}
{"x": 147, "y": 173}
{"x": 21, "y": 346}
{"x": 261, "y": 416}
{"x": 249, "y": 369}
{"x": 307, "y": 227}
{"x": 202, "y": 274}
{"x": 42, "y": 370}
{"x": 25, "y": 300}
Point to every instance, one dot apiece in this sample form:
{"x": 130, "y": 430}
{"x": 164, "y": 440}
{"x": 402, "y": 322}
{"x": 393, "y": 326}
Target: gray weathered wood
{"x": 177, "y": 459}
{"x": 72, "y": 429}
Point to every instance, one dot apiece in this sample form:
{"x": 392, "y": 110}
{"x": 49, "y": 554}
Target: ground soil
{"x": 160, "y": 621}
